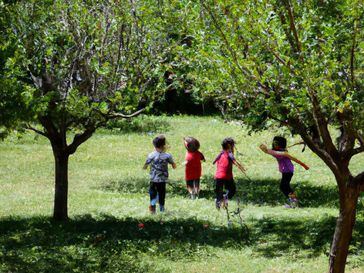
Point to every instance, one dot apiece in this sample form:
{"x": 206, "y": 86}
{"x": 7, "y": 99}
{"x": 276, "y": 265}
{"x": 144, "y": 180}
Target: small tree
{"x": 72, "y": 66}
{"x": 299, "y": 63}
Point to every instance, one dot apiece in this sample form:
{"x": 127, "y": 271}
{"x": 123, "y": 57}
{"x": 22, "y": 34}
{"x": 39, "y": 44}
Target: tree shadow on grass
{"x": 267, "y": 192}
{"x": 138, "y": 185}
{"x": 256, "y": 191}
{"x": 109, "y": 244}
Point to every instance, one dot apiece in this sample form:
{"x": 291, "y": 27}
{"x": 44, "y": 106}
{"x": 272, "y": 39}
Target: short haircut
{"x": 159, "y": 141}
{"x": 192, "y": 144}
{"x": 279, "y": 141}
{"x": 228, "y": 142}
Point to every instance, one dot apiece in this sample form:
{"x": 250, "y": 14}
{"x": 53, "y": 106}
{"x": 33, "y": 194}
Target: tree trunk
{"x": 60, "y": 211}
{"x": 344, "y": 229}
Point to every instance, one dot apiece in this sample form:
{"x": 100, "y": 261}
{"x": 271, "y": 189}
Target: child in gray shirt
{"x": 158, "y": 161}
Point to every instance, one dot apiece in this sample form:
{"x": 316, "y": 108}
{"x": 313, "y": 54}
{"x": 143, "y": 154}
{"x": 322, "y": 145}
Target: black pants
{"x": 193, "y": 183}
{"x": 159, "y": 188}
{"x": 229, "y": 186}
{"x": 285, "y": 183}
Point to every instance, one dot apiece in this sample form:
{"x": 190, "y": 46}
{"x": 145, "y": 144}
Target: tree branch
{"x": 233, "y": 53}
{"x": 348, "y": 133}
{"x": 288, "y": 34}
{"x": 79, "y": 139}
{"x": 322, "y": 125}
{"x": 120, "y": 115}
{"x": 293, "y": 25}
{"x": 352, "y": 54}
{"x": 359, "y": 180}
{"x": 324, "y": 155}
{"x": 28, "y": 127}
{"x": 276, "y": 55}
{"x": 48, "y": 125}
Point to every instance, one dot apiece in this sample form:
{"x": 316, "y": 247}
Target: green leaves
{"x": 75, "y": 61}
{"x": 264, "y": 57}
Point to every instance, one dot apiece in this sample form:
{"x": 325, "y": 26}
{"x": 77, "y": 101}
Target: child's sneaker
{"x": 225, "y": 201}
{"x": 293, "y": 202}
{"x": 217, "y": 204}
{"x": 161, "y": 208}
{"x": 152, "y": 209}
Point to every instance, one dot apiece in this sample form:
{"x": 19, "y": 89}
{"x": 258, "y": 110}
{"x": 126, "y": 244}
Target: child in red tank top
{"x": 193, "y": 168}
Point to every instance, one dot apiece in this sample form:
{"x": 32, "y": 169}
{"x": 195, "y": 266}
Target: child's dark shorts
{"x": 193, "y": 183}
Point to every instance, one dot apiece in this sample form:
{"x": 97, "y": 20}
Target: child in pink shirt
{"x": 224, "y": 172}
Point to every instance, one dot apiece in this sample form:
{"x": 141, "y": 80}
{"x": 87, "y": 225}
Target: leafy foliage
{"x": 83, "y": 61}
{"x": 268, "y": 65}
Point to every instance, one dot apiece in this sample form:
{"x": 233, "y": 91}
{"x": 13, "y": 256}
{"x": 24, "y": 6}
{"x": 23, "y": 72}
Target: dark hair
{"x": 159, "y": 141}
{"x": 227, "y": 142}
{"x": 279, "y": 141}
{"x": 192, "y": 144}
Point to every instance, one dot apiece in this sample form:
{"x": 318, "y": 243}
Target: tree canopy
{"x": 297, "y": 64}
{"x": 71, "y": 66}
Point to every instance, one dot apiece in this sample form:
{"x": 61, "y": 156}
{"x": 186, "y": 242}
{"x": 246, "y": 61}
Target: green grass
{"x": 108, "y": 199}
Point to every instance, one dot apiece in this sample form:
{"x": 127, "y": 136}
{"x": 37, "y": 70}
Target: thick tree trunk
{"x": 343, "y": 231}
{"x": 60, "y": 211}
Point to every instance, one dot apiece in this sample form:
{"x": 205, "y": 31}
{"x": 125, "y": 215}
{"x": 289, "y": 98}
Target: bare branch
{"x": 352, "y": 53}
{"x": 79, "y": 139}
{"x": 292, "y": 25}
{"x": 29, "y": 127}
{"x": 120, "y": 48}
{"x": 322, "y": 124}
{"x": 359, "y": 180}
{"x": 120, "y": 115}
{"x": 288, "y": 34}
{"x": 311, "y": 143}
{"x": 233, "y": 53}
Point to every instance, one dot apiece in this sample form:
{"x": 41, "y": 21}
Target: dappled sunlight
{"x": 90, "y": 243}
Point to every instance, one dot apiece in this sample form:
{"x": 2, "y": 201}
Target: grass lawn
{"x": 108, "y": 201}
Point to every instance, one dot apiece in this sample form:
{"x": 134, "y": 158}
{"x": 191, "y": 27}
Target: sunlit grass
{"x": 108, "y": 198}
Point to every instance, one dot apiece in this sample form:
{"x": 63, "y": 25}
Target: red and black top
{"x": 224, "y": 163}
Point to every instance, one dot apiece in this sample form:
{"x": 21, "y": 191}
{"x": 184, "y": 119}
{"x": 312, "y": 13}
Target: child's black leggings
{"x": 160, "y": 188}
{"x": 285, "y": 183}
{"x": 229, "y": 185}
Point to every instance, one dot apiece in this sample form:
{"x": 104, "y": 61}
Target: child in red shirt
{"x": 224, "y": 172}
{"x": 193, "y": 166}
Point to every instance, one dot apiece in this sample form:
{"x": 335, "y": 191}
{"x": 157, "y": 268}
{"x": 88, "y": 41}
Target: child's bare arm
{"x": 297, "y": 161}
{"x": 145, "y": 166}
{"x": 264, "y": 148}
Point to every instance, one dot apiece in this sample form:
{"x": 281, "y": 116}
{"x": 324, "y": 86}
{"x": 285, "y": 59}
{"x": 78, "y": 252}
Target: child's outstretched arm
{"x": 145, "y": 166}
{"x": 272, "y": 152}
{"x": 296, "y": 160}
{"x": 264, "y": 148}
